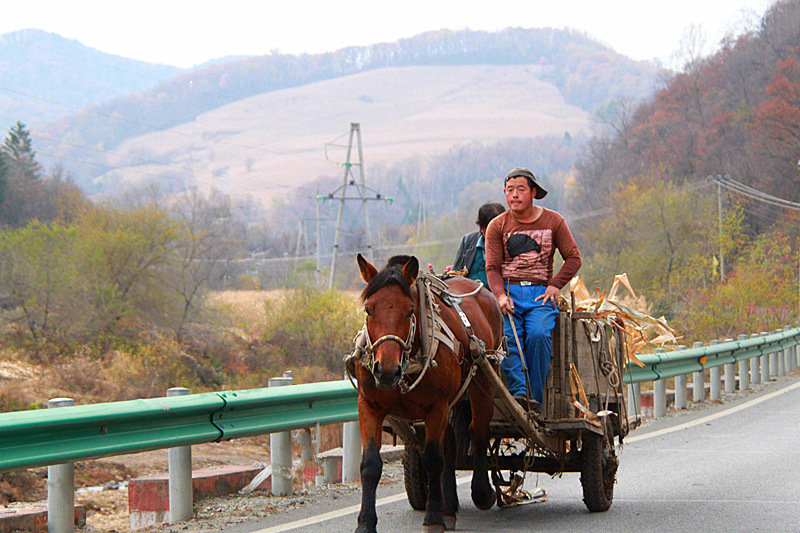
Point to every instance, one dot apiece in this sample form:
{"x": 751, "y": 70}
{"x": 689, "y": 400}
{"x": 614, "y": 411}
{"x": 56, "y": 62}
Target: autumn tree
{"x": 776, "y": 131}
{"x": 665, "y": 238}
{"x": 760, "y": 293}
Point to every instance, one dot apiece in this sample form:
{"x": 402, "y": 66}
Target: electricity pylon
{"x": 364, "y": 194}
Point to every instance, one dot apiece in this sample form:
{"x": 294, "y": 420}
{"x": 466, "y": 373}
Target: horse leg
{"x": 371, "y": 466}
{"x": 482, "y": 401}
{"x": 449, "y": 490}
{"x": 433, "y": 462}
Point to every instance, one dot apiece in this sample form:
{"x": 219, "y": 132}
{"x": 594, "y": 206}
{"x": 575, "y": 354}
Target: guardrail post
{"x": 61, "y": 487}
{"x": 765, "y": 366}
{"x": 787, "y": 359}
{"x": 715, "y": 379}
{"x": 680, "y": 392}
{"x": 698, "y": 381}
{"x": 280, "y": 449}
{"x": 730, "y": 374}
{"x": 755, "y": 366}
{"x": 634, "y": 398}
{"x": 793, "y": 356}
{"x": 659, "y": 398}
{"x": 775, "y": 365}
{"x": 179, "y": 461}
{"x": 744, "y": 371}
{"x": 351, "y": 452}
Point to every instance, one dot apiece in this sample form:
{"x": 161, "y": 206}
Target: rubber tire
{"x": 415, "y": 478}
{"x": 598, "y": 473}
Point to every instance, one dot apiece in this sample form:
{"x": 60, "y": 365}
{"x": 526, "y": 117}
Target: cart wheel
{"x": 416, "y": 480}
{"x": 598, "y": 472}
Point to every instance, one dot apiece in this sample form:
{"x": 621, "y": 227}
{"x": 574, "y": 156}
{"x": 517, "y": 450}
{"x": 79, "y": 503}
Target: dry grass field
{"x": 267, "y": 144}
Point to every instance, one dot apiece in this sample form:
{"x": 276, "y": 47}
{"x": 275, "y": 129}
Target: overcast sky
{"x": 186, "y": 33}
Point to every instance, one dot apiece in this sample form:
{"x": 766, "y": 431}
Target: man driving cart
{"x": 520, "y": 247}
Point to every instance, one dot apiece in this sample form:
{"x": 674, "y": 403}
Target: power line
{"x": 755, "y": 194}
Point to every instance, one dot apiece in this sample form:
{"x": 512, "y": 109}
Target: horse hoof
{"x": 450, "y": 522}
{"x": 438, "y": 528}
{"x": 488, "y": 504}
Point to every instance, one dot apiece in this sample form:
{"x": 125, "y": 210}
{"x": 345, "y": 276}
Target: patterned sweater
{"x": 549, "y": 231}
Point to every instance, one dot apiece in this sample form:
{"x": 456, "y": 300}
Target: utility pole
{"x": 364, "y": 196}
{"x": 317, "y": 272}
{"x": 721, "y": 250}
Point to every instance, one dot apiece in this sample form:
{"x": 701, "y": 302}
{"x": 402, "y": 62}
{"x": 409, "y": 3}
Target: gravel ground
{"x": 108, "y": 508}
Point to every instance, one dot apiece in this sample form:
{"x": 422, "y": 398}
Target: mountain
{"x": 277, "y": 140}
{"x": 44, "y": 77}
{"x": 264, "y": 120}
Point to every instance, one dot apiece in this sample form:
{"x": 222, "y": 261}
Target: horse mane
{"x": 392, "y": 273}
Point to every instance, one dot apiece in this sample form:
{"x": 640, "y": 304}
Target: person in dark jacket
{"x": 471, "y": 251}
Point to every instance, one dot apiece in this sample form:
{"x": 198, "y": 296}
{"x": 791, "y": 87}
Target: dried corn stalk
{"x": 640, "y": 328}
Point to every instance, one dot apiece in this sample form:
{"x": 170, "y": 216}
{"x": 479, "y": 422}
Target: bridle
{"x": 405, "y": 345}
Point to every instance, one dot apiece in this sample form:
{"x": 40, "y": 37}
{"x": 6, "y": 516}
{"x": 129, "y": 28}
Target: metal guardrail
{"x": 54, "y": 436}
{"x": 660, "y": 365}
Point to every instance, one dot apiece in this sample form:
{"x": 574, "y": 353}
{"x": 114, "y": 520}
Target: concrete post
{"x": 698, "y": 381}
{"x": 179, "y": 461}
{"x": 631, "y": 400}
{"x": 659, "y": 398}
{"x": 755, "y": 365}
{"x": 784, "y": 361}
{"x": 730, "y": 374}
{"x": 744, "y": 374}
{"x": 61, "y": 487}
{"x": 773, "y": 360}
{"x": 280, "y": 449}
{"x": 715, "y": 379}
{"x": 635, "y": 399}
{"x": 795, "y": 358}
{"x": 765, "y": 366}
{"x": 680, "y": 392}
{"x": 351, "y": 452}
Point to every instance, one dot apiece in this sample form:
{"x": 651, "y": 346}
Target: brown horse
{"x": 391, "y": 300}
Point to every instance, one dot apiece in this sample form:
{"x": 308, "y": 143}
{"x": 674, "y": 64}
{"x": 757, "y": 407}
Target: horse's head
{"x": 390, "y": 308}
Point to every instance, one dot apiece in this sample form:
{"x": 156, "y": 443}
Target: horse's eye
{"x": 367, "y": 311}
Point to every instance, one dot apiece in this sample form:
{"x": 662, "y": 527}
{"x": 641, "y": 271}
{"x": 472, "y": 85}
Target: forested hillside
{"x": 44, "y": 77}
{"x": 718, "y": 257}
{"x": 735, "y": 113}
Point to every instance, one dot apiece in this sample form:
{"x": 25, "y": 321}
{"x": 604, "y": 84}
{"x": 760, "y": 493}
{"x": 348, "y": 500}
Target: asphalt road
{"x": 730, "y": 467}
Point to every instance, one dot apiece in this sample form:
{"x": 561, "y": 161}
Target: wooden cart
{"x": 583, "y": 412}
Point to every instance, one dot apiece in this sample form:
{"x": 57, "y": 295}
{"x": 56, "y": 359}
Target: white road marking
{"x": 715, "y": 416}
{"x": 343, "y": 512}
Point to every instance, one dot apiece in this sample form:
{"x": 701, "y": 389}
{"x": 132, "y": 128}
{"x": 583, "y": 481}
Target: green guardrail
{"x": 55, "y": 436}
{"x": 661, "y": 365}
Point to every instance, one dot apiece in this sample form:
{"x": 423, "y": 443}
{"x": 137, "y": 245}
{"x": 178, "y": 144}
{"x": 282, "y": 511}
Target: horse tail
{"x": 460, "y": 420}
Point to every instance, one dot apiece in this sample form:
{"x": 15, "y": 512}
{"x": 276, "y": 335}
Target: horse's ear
{"x": 367, "y": 270}
{"x": 411, "y": 270}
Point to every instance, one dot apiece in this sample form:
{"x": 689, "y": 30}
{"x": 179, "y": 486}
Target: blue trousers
{"x": 535, "y": 323}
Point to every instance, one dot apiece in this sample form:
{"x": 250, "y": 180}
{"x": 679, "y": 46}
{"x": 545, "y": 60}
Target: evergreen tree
{"x": 19, "y": 154}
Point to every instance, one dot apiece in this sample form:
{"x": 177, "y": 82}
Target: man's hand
{"x": 506, "y": 304}
{"x": 550, "y": 294}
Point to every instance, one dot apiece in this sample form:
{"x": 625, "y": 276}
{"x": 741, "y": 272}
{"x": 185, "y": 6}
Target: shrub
{"x": 312, "y": 327}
